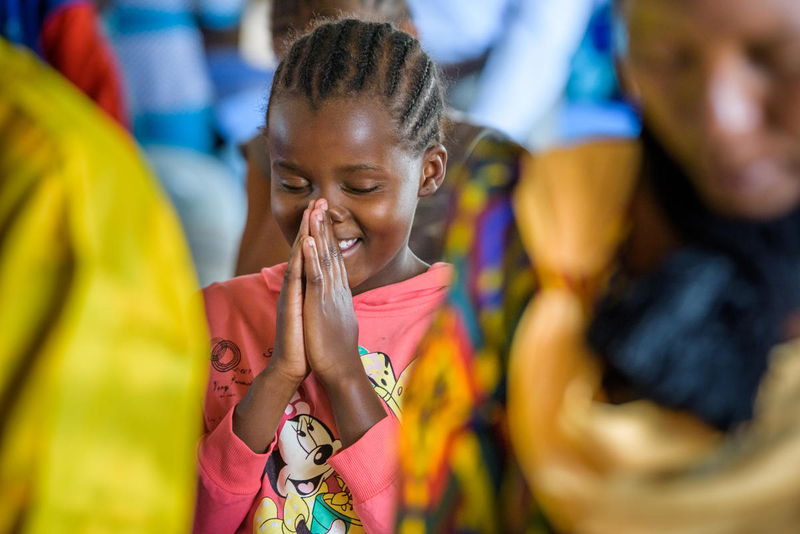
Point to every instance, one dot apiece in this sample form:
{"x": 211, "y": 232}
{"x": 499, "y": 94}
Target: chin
{"x": 762, "y": 208}
{"x": 760, "y": 191}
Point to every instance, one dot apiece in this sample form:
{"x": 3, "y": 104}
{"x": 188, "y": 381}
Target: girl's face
{"x": 720, "y": 86}
{"x": 348, "y": 153}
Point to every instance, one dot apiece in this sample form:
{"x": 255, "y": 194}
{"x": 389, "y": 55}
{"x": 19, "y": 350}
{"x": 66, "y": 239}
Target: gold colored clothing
{"x": 102, "y": 366}
{"x": 632, "y": 468}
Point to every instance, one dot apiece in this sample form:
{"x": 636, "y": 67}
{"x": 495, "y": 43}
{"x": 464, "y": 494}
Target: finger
{"x": 315, "y": 282}
{"x": 333, "y": 245}
{"x": 301, "y": 232}
{"x": 304, "y": 222}
{"x": 293, "y": 277}
{"x": 319, "y": 233}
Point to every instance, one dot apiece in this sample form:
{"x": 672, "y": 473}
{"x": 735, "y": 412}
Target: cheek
{"x": 673, "y": 114}
{"x": 390, "y": 219}
{"x": 787, "y": 110}
{"x": 288, "y": 214}
{"x": 674, "y": 103}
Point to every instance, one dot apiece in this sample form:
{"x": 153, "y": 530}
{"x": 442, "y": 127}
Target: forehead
{"x": 340, "y": 131}
{"x": 742, "y": 18}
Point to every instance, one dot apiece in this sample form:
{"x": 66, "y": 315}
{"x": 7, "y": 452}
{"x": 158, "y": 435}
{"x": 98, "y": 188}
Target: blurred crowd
{"x": 190, "y": 80}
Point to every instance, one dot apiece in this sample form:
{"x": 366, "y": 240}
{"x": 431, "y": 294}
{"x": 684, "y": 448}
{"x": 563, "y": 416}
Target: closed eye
{"x": 363, "y": 191}
{"x": 292, "y": 188}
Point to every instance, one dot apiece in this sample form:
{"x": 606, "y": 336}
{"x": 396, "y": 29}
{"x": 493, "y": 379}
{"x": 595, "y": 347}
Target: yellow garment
{"x": 102, "y": 365}
{"x": 634, "y": 468}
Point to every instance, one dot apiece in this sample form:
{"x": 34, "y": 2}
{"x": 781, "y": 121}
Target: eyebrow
{"x": 288, "y": 166}
{"x": 359, "y": 167}
{"x": 346, "y": 169}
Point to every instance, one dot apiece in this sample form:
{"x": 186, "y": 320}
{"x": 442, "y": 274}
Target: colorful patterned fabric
{"x": 459, "y": 473}
{"x": 103, "y": 363}
{"x": 67, "y": 34}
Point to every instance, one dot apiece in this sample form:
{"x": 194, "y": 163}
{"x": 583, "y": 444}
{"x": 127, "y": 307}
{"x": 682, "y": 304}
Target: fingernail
{"x": 320, "y": 216}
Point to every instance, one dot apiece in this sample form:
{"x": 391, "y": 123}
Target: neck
{"x": 403, "y": 266}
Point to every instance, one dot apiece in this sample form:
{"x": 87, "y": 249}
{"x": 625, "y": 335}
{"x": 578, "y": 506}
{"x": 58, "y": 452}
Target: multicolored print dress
{"x": 455, "y": 453}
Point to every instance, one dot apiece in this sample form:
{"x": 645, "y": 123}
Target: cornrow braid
{"x": 340, "y": 57}
{"x": 419, "y": 86}
{"x": 430, "y": 108}
{"x": 290, "y": 65}
{"x": 310, "y": 65}
{"x": 350, "y": 58}
{"x": 369, "y": 52}
{"x": 401, "y": 44}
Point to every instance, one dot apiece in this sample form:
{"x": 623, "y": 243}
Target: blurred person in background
{"x": 478, "y": 157}
{"x": 510, "y": 59}
{"x": 162, "y": 51}
{"x": 68, "y": 35}
{"x": 593, "y": 104}
{"x": 103, "y": 347}
{"x": 172, "y": 96}
{"x": 626, "y": 358}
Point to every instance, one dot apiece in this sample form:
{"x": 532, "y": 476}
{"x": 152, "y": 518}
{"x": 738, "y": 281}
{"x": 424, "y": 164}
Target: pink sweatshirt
{"x": 306, "y": 481}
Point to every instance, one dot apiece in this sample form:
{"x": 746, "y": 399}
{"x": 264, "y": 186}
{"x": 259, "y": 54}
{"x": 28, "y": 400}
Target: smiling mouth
{"x": 306, "y": 487}
{"x": 347, "y": 244}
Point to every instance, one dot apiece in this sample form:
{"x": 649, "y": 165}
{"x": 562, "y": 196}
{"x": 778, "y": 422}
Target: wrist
{"x": 344, "y": 378}
{"x": 258, "y": 414}
{"x": 276, "y": 369}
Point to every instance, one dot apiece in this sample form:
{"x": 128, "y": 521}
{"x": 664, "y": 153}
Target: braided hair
{"x": 352, "y": 58}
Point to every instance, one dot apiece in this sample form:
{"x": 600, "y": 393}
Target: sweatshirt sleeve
{"x": 370, "y": 469}
{"x": 230, "y": 478}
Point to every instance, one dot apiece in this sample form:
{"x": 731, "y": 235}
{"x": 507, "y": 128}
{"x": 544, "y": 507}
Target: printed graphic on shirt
{"x": 316, "y": 499}
{"x": 225, "y": 355}
{"x": 381, "y": 372}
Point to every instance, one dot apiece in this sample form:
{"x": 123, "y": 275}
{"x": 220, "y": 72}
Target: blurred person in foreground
{"x": 476, "y": 154}
{"x": 625, "y": 348}
{"x": 103, "y": 357}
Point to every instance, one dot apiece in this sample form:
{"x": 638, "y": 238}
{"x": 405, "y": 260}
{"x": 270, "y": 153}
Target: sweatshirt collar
{"x": 401, "y": 298}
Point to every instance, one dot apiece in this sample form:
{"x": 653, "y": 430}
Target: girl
{"x": 647, "y": 351}
{"x": 473, "y": 151}
{"x": 310, "y": 358}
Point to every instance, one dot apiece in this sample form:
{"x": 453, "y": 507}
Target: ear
{"x": 434, "y": 166}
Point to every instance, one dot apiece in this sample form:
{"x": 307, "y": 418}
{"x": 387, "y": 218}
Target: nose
{"x": 337, "y": 204}
{"x": 733, "y": 103}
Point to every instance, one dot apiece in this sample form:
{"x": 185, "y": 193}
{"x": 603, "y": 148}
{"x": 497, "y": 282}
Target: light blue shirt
{"x": 530, "y": 45}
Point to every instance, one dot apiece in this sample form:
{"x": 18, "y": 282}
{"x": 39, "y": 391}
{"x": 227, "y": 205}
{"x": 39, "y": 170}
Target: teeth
{"x": 344, "y": 245}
